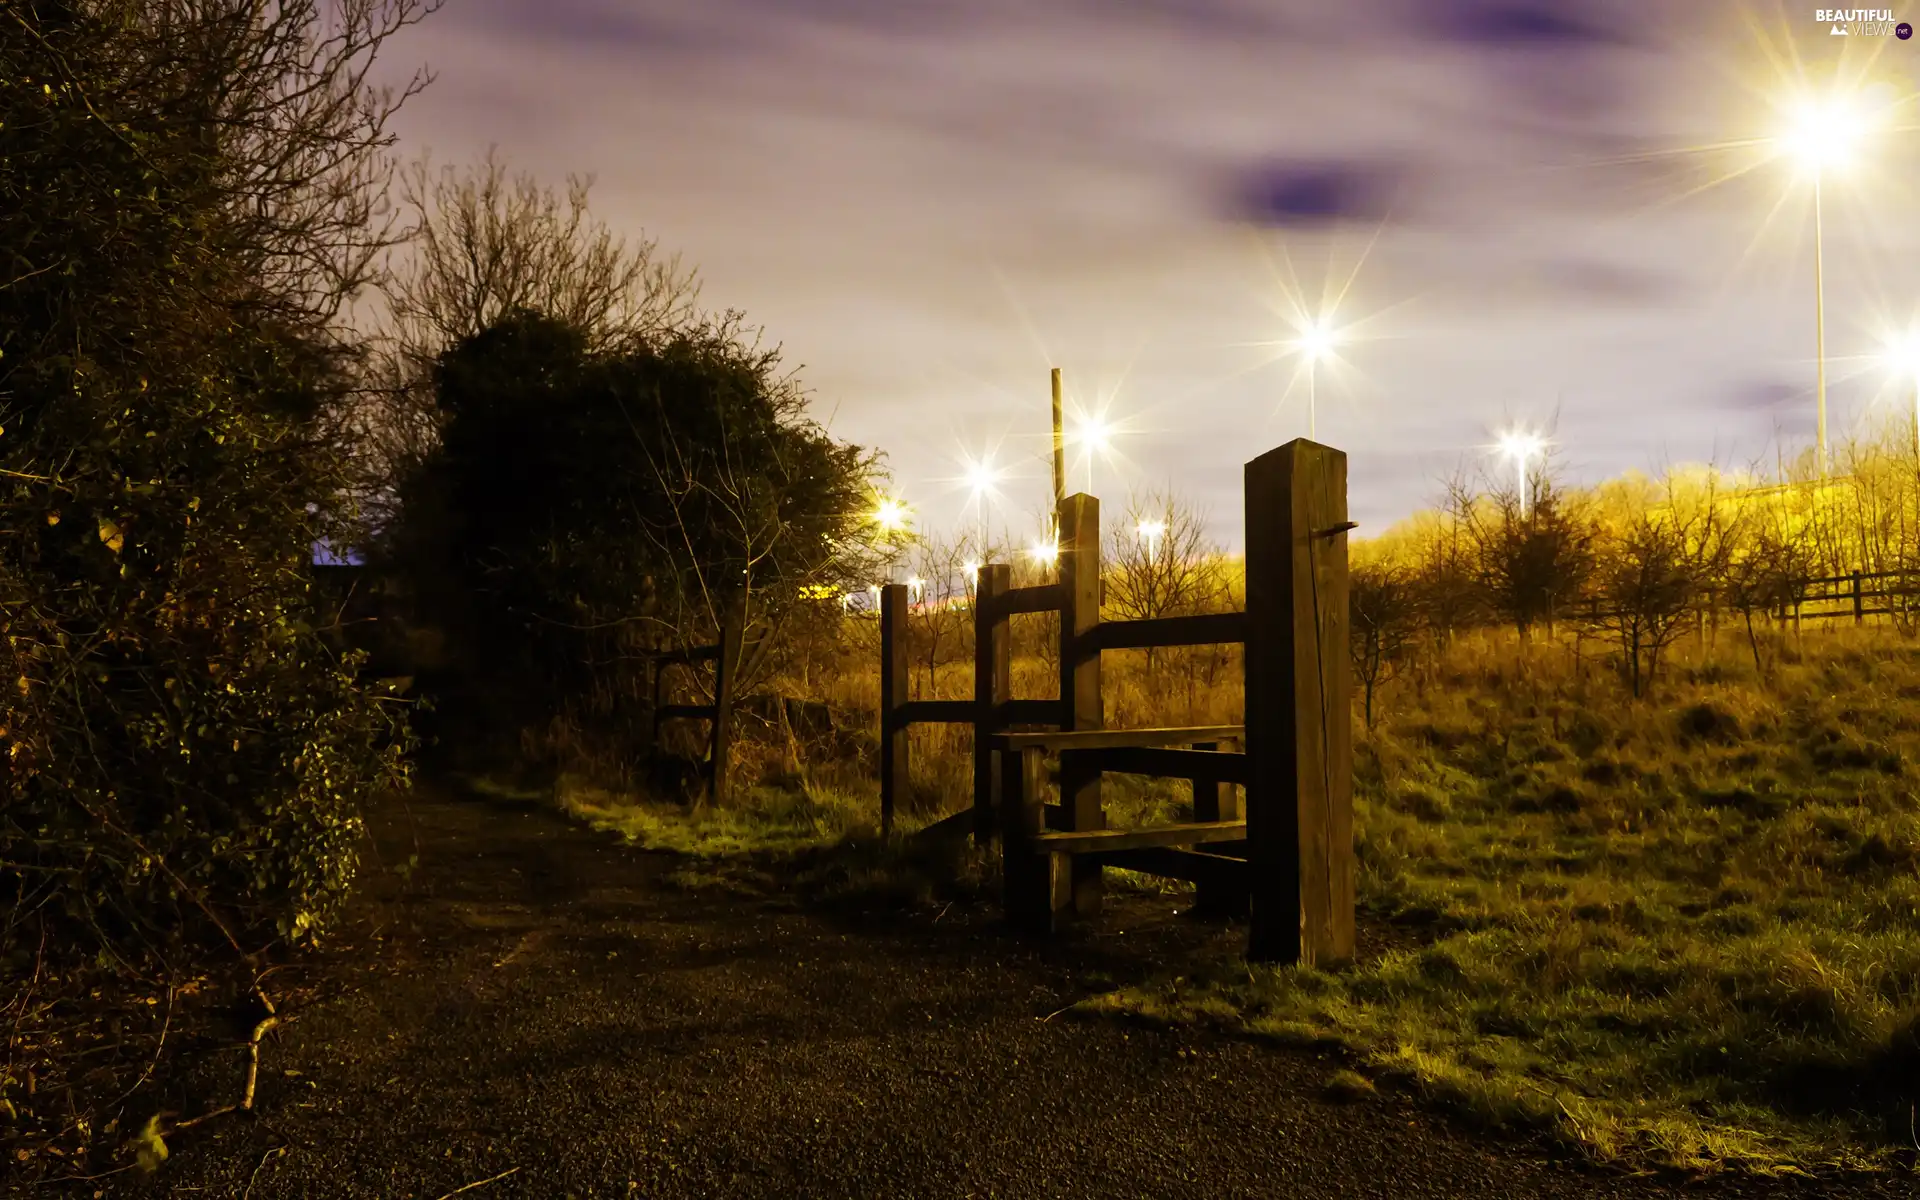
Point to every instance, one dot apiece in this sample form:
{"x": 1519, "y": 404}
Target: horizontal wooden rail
{"x": 1040, "y": 598}
{"x": 1214, "y": 766}
{"x": 1206, "y": 629}
{"x": 691, "y": 712}
{"x": 936, "y": 712}
{"x": 1096, "y": 739}
{"x": 1175, "y": 862}
{"x": 1103, "y": 841}
{"x": 1028, "y": 712}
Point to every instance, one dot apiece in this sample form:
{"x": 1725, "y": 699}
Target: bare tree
{"x": 1531, "y": 557}
{"x": 1384, "y": 627}
{"x": 1159, "y": 562}
{"x": 484, "y": 245}
{"x": 939, "y": 614}
{"x": 1655, "y": 570}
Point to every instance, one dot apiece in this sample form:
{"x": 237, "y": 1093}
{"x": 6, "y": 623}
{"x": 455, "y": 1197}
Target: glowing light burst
{"x": 1522, "y": 446}
{"x": 891, "y": 515}
{"x": 1045, "y": 550}
{"x": 1806, "y": 128}
{"x": 1902, "y": 354}
{"x": 1317, "y": 333}
{"x": 1151, "y": 532}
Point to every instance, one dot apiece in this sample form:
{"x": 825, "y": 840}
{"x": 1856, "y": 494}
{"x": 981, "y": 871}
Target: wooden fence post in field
{"x": 1859, "y": 610}
{"x": 1080, "y": 705}
{"x": 893, "y": 699}
{"x": 1299, "y": 722}
{"x": 726, "y": 666}
{"x": 992, "y": 687}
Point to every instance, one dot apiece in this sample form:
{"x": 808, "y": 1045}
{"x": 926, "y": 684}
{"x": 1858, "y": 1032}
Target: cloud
{"x": 930, "y": 202}
{"x": 1523, "y": 25}
{"x": 1312, "y": 193}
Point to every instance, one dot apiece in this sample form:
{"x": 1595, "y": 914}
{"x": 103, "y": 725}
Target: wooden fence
{"x": 725, "y": 657}
{"x": 1273, "y": 805}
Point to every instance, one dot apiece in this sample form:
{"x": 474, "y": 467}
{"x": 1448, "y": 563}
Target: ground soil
{"x": 538, "y": 1006}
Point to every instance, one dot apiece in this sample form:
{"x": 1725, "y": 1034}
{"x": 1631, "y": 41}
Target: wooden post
{"x": 1859, "y": 608}
{"x": 726, "y": 664}
{"x": 1036, "y": 888}
{"x": 992, "y": 686}
{"x": 1299, "y": 723}
{"x": 1059, "y": 449}
{"x": 893, "y": 696}
{"x": 1080, "y": 678}
{"x": 1216, "y": 801}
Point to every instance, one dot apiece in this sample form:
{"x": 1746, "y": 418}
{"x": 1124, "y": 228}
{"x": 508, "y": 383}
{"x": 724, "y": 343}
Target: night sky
{"x": 931, "y": 203}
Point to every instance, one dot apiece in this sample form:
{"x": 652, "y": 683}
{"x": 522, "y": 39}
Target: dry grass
{"x": 1684, "y": 932}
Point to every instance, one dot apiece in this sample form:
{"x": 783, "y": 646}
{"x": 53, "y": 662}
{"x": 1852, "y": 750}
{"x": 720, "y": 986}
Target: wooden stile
{"x": 992, "y": 687}
{"x": 1079, "y": 567}
{"x": 1299, "y": 804}
{"x": 893, "y": 697}
{"x": 726, "y": 668}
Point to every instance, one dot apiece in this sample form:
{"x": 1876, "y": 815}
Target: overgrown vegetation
{"x": 1684, "y": 933}
{"x": 187, "y": 198}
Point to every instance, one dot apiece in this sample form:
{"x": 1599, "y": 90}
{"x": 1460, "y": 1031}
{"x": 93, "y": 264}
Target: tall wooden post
{"x": 1299, "y": 722}
{"x": 992, "y": 686}
{"x": 733, "y": 625}
{"x": 1080, "y": 678}
{"x": 893, "y": 698}
{"x": 1059, "y": 449}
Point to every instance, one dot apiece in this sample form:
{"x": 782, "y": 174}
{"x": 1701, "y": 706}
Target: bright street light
{"x": 983, "y": 478}
{"x": 1046, "y": 551}
{"x": 1521, "y": 446}
{"x": 1317, "y": 340}
{"x": 1902, "y": 357}
{"x": 1151, "y": 532}
{"x": 1822, "y": 135}
{"x": 1094, "y": 435}
{"x": 890, "y": 515}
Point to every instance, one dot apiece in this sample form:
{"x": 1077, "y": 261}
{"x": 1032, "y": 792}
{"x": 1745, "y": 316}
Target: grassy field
{"x": 1682, "y": 931}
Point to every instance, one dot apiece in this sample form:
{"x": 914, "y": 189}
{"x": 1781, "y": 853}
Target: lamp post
{"x": 1821, "y": 137}
{"x": 981, "y": 477}
{"x": 1316, "y": 342}
{"x": 1150, "y": 532}
{"x": 1094, "y": 435}
{"x": 1520, "y": 447}
{"x": 1903, "y": 358}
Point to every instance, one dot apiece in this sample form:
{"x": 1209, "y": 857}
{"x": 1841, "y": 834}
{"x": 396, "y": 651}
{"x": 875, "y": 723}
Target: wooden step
{"x": 1102, "y": 739}
{"x": 1175, "y": 862}
{"x": 1100, "y": 841}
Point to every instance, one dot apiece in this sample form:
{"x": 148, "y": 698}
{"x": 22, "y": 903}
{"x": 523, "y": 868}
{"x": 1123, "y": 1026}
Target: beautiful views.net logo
{"x": 1858, "y": 22}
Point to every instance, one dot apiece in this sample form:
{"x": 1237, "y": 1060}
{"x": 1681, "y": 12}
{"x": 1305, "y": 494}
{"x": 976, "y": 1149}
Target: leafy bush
{"x": 180, "y": 749}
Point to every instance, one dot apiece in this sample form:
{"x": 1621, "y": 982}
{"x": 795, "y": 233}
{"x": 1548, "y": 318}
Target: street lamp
{"x": 1902, "y": 356}
{"x": 1316, "y": 341}
{"x": 1150, "y": 532}
{"x": 1094, "y": 436}
{"x": 890, "y": 515}
{"x": 1822, "y": 135}
{"x": 1521, "y": 446}
{"x": 981, "y": 477}
{"x": 1047, "y": 551}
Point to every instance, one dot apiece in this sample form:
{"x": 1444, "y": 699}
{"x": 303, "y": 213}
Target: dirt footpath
{"x": 537, "y": 1008}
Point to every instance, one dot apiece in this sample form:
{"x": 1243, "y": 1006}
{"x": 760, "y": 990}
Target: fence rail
{"x": 1286, "y": 852}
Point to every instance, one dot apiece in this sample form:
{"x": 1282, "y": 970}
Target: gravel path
{"x": 537, "y": 1007}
